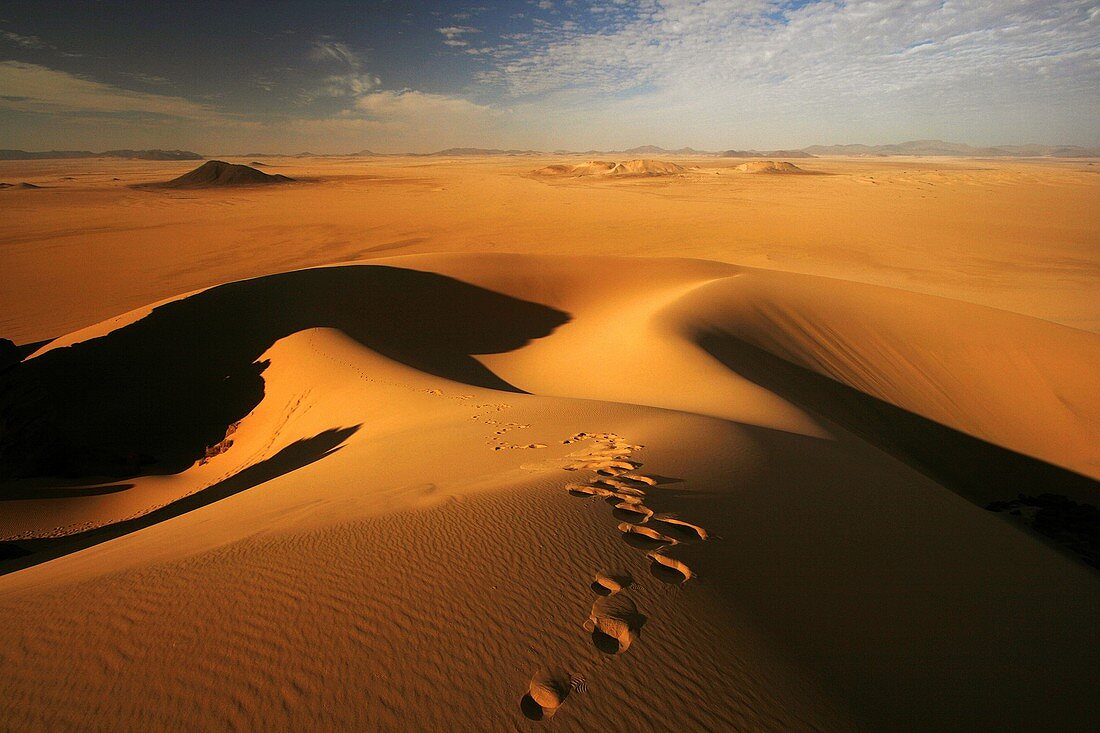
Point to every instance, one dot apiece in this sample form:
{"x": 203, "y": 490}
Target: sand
{"x": 693, "y": 452}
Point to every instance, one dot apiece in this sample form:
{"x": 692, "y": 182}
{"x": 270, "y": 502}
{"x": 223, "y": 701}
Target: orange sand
{"x": 696, "y": 452}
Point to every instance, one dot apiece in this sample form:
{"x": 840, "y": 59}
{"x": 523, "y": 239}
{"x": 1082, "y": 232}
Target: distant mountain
{"x": 481, "y": 151}
{"x": 650, "y": 150}
{"x": 764, "y": 154}
{"x": 153, "y": 154}
{"x": 129, "y": 154}
{"x": 941, "y": 147}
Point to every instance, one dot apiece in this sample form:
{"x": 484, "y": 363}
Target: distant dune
{"x": 769, "y": 166}
{"x": 216, "y": 173}
{"x": 24, "y": 184}
{"x": 639, "y": 167}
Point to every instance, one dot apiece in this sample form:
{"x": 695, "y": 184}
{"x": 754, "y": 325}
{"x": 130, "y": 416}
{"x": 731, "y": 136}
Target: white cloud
{"x": 419, "y": 120}
{"x": 732, "y": 67}
{"x": 32, "y": 42}
{"x": 325, "y": 50}
{"x": 453, "y": 35}
{"x": 33, "y": 88}
{"x": 351, "y": 80}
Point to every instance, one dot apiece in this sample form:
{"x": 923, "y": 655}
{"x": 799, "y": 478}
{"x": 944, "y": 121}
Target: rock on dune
{"x": 769, "y": 166}
{"x": 214, "y": 173}
{"x": 639, "y": 167}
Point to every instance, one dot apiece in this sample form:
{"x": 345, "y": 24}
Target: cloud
{"x": 756, "y": 64}
{"x": 409, "y": 104}
{"x": 351, "y": 81}
{"x": 324, "y": 50}
{"x": 32, "y": 42}
{"x": 453, "y": 34}
{"x": 33, "y": 88}
{"x": 417, "y": 120}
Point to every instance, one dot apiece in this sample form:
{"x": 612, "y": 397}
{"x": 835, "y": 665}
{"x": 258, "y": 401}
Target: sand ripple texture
{"x": 427, "y": 620}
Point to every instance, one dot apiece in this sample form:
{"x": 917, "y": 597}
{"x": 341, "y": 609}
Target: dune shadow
{"x": 20, "y": 492}
{"x": 976, "y": 470}
{"x": 149, "y": 397}
{"x": 26, "y": 553}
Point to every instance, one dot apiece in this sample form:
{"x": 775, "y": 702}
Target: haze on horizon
{"x": 331, "y": 77}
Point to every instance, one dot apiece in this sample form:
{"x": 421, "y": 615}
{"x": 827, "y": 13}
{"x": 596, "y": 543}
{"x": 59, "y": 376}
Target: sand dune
{"x": 365, "y": 488}
{"x": 496, "y": 490}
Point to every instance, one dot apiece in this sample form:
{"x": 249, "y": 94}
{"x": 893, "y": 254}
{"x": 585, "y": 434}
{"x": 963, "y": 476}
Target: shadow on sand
{"x": 151, "y": 396}
{"x": 976, "y": 470}
{"x": 23, "y": 554}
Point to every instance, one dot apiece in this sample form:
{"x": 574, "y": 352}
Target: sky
{"x": 330, "y": 76}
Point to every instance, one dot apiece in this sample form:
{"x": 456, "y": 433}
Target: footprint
{"x": 619, "y": 486}
{"x": 606, "y": 467}
{"x": 614, "y": 498}
{"x": 608, "y": 584}
{"x": 669, "y": 569}
{"x": 586, "y": 491}
{"x": 644, "y": 537}
{"x": 679, "y": 527}
{"x": 547, "y": 691}
{"x": 614, "y": 623}
{"x": 631, "y": 512}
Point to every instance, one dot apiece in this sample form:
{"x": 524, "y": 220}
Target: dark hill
{"x": 216, "y": 173}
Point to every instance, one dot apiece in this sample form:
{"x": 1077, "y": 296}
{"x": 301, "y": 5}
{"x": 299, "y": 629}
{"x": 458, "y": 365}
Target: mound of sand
{"x": 23, "y": 185}
{"x": 216, "y": 173}
{"x": 769, "y": 166}
{"x": 638, "y": 167}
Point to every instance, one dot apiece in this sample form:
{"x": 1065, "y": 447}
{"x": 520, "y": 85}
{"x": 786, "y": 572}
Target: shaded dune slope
{"x": 152, "y": 395}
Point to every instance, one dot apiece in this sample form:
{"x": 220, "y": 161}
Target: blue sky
{"x": 549, "y": 74}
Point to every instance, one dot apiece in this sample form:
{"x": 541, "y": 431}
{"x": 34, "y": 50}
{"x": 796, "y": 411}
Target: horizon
{"x": 1087, "y": 152}
{"x": 546, "y": 76}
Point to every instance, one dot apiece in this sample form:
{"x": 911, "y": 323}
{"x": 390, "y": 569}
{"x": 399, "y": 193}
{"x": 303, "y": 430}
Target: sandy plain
{"x": 447, "y": 484}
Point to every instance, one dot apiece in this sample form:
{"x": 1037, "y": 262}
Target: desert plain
{"x": 496, "y": 443}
